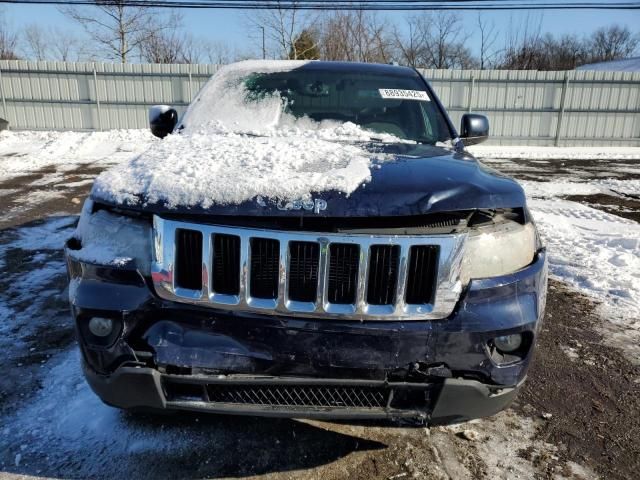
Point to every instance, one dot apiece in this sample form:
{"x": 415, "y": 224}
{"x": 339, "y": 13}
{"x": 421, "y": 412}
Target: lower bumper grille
{"x": 299, "y": 395}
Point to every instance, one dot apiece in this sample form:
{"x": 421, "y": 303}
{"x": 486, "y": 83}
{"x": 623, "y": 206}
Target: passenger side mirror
{"x": 162, "y": 120}
{"x": 474, "y": 128}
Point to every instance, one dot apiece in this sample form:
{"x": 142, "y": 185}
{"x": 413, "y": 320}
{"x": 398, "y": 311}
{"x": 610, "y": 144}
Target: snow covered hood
{"x": 394, "y": 179}
{"x": 238, "y": 155}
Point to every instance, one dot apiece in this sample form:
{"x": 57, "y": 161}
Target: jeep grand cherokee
{"x": 419, "y": 294}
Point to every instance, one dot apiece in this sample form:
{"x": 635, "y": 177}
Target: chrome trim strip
{"x": 448, "y": 283}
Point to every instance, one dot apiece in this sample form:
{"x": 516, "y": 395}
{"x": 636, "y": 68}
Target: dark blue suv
{"x": 416, "y": 291}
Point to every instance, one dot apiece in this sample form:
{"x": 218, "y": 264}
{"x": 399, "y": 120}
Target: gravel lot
{"x": 578, "y": 416}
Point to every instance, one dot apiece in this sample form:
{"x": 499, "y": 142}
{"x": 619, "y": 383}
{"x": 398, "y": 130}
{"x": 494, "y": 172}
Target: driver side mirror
{"x": 162, "y": 120}
{"x": 474, "y": 128}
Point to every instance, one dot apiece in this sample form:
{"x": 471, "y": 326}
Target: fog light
{"x": 508, "y": 343}
{"x": 101, "y": 327}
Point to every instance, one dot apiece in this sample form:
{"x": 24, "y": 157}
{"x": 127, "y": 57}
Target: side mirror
{"x": 474, "y": 128}
{"x": 162, "y": 120}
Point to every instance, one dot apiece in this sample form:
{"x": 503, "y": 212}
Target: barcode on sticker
{"x": 404, "y": 94}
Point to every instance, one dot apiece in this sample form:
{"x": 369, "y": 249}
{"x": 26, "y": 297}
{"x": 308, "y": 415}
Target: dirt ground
{"x": 577, "y": 417}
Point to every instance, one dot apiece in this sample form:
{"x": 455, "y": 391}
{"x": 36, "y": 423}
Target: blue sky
{"x": 230, "y": 26}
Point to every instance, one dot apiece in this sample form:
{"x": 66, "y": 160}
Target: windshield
{"x": 395, "y": 105}
{"x": 382, "y": 104}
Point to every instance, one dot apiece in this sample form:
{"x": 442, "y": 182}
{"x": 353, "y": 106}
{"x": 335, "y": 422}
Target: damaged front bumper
{"x": 167, "y": 355}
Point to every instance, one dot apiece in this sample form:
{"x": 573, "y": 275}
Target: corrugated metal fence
{"x": 524, "y": 107}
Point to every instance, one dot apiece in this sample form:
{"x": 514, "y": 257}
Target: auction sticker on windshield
{"x": 404, "y": 94}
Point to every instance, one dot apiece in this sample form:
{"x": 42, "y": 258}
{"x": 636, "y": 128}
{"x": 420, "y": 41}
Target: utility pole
{"x": 264, "y": 51}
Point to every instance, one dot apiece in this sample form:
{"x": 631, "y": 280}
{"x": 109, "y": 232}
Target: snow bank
{"x": 561, "y": 188}
{"x": 555, "y": 153}
{"x": 596, "y": 252}
{"x": 27, "y": 152}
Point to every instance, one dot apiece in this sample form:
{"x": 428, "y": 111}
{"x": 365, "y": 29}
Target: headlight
{"x": 106, "y": 238}
{"x": 498, "y": 250}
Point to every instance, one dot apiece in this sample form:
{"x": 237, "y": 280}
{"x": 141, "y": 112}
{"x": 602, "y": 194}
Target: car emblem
{"x": 316, "y": 205}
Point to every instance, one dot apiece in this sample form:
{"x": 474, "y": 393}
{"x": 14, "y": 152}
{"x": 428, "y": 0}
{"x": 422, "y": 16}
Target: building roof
{"x": 624, "y": 65}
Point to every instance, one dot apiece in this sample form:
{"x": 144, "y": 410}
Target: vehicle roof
{"x": 380, "y": 68}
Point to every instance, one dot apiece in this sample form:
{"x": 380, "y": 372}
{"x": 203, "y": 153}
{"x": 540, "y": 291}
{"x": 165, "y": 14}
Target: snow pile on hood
{"x": 211, "y": 166}
{"x": 233, "y": 149}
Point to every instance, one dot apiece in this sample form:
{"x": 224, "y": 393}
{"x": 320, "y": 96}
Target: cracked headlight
{"x": 496, "y": 250}
{"x": 107, "y": 238}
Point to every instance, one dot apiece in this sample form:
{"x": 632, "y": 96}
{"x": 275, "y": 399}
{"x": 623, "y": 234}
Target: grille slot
{"x": 344, "y": 260}
{"x": 188, "y": 259}
{"x": 383, "y": 274}
{"x": 226, "y": 264}
{"x": 299, "y": 395}
{"x": 422, "y": 270}
{"x": 303, "y": 271}
{"x": 265, "y": 264}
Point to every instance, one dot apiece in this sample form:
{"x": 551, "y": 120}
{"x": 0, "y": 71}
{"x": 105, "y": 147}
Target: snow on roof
{"x": 624, "y": 65}
{"x": 233, "y": 149}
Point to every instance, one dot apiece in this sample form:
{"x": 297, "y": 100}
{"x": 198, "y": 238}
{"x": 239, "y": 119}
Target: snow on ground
{"x": 565, "y": 187}
{"x": 34, "y": 272}
{"x": 22, "y": 153}
{"x": 503, "y": 454}
{"x": 558, "y": 153}
{"x": 83, "y": 430}
{"x": 597, "y": 252}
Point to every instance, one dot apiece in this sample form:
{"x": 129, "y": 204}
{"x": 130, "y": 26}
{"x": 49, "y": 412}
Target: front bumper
{"x": 456, "y": 400}
{"x": 173, "y": 356}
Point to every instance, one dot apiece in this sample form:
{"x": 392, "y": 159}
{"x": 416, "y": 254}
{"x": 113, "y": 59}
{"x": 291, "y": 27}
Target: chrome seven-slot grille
{"x": 356, "y": 276}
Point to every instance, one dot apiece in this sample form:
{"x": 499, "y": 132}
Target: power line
{"x": 381, "y": 5}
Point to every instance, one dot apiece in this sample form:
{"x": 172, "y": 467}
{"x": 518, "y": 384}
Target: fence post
{"x": 471, "y": 90}
{"x": 4, "y": 103}
{"x": 190, "y": 87}
{"x": 563, "y": 97}
{"x": 95, "y": 85}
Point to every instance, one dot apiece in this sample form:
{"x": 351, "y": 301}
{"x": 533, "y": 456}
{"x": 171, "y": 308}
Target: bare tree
{"x": 411, "y": 44}
{"x": 523, "y": 46}
{"x": 40, "y": 43}
{"x": 446, "y": 38}
{"x": 8, "y": 41}
{"x": 117, "y": 29}
{"x": 356, "y": 36}
{"x": 488, "y": 38}
{"x": 435, "y": 41}
{"x": 564, "y": 53}
{"x": 65, "y": 46}
{"x": 162, "y": 47}
{"x": 281, "y": 27}
{"x": 613, "y": 43}
{"x": 36, "y": 41}
{"x": 218, "y": 53}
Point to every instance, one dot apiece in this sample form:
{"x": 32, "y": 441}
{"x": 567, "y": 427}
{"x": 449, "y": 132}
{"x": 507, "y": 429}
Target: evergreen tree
{"x": 305, "y": 47}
